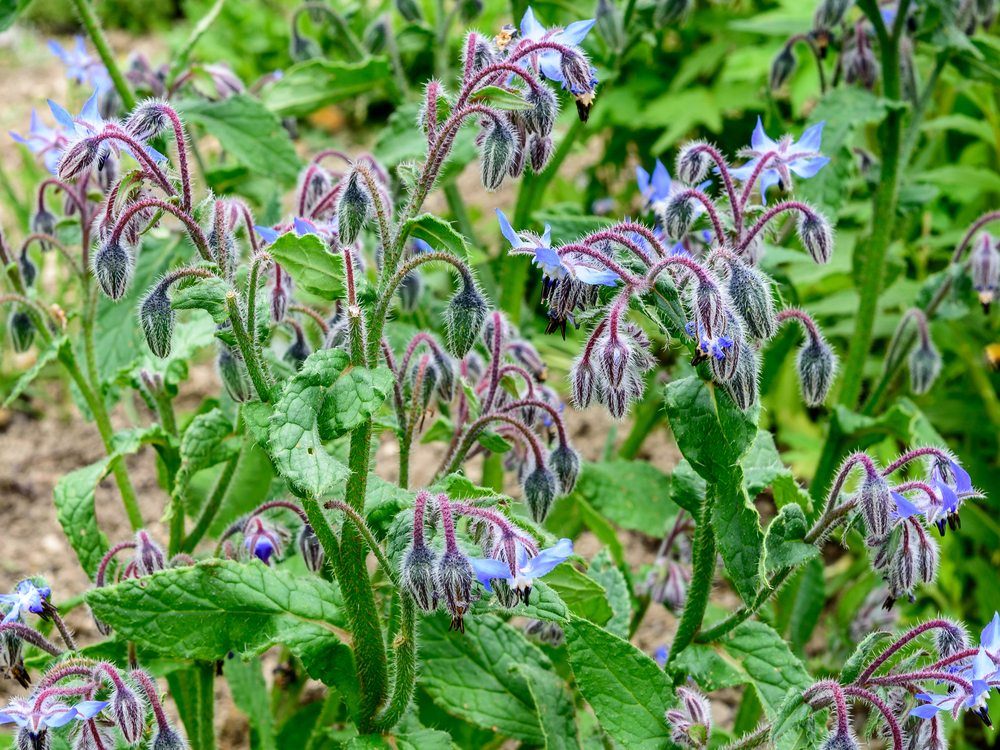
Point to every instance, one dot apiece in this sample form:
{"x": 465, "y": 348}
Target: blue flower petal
{"x": 812, "y": 137}
{"x": 576, "y": 32}
{"x": 266, "y": 233}
{"x": 546, "y": 560}
{"x": 904, "y": 508}
{"x": 505, "y": 228}
{"x": 487, "y": 570}
{"x": 806, "y": 168}
{"x": 759, "y": 140}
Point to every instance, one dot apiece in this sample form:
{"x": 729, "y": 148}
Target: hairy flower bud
{"x": 234, "y": 374}
{"x": 129, "y": 713}
{"x": 354, "y": 209}
{"x": 169, "y": 739}
{"x": 860, "y": 64}
{"x": 78, "y": 157}
{"x": 951, "y": 640}
{"x": 27, "y": 740}
{"x": 547, "y": 632}
{"x": 543, "y": 107}
{"x": 984, "y": 266}
{"x": 409, "y": 10}
{"x": 582, "y": 383}
{"x": 817, "y": 365}
{"x": 691, "y": 721}
{"x": 875, "y": 504}
{"x": 676, "y": 213}
{"x": 28, "y": 269}
{"x": 782, "y": 67}
{"x": 113, "y": 268}
{"x": 149, "y": 556}
{"x": 670, "y": 12}
{"x": 565, "y": 463}
{"x": 298, "y": 351}
{"x": 610, "y": 24}
{"x": 743, "y": 386}
{"x": 44, "y": 222}
{"x": 497, "y": 153}
{"x": 667, "y": 583}
{"x": 147, "y": 120}
{"x": 156, "y": 316}
{"x": 925, "y": 364}
{"x": 464, "y": 318}
{"x": 540, "y": 488}
{"x": 420, "y": 577}
{"x": 840, "y": 741}
{"x": 445, "y": 375}
{"x": 750, "y": 291}
{"x": 409, "y": 291}
{"x": 310, "y": 548}
{"x": 22, "y": 330}
{"x": 829, "y": 13}
{"x": 454, "y": 578}
{"x": 815, "y": 235}
{"x": 540, "y": 150}
{"x": 692, "y": 163}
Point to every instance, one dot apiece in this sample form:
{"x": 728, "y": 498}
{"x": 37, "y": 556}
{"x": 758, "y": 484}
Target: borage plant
{"x": 448, "y": 612}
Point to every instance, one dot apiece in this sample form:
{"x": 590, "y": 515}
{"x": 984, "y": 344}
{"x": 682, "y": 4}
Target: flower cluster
{"x": 513, "y": 559}
{"x": 718, "y": 300}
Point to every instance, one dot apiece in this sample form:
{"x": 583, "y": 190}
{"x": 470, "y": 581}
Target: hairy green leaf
{"x": 311, "y": 85}
{"x": 310, "y": 263}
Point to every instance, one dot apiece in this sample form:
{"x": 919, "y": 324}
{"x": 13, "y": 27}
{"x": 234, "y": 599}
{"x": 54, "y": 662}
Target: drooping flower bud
{"x": 565, "y": 463}
{"x": 543, "y": 107}
{"x": 750, "y": 291}
{"x": 951, "y": 640}
{"x": 782, "y": 67}
{"x": 234, "y": 374}
{"x": 816, "y": 236}
{"x": 169, "y": 739}
{"x": 156, "y": 316}
{"x": 692, "y": 163}
{"x": 691, "y": 721}
{"x": 409, "y": 291}
{"x": 22, "y": 330}
{"x": 925, "y": 364}
{"x": 420, "y": 576}
{"x": 817, "y": 365}
{"x": 540, "y": 488}
{"x": 829, "y": 13}
{"x": 540, "y": 150}
{"x": 376, "y": 35}
{"x": 859, "y": 62}
{"x": 464, "y": 318}
{"x": 354, "y": 209}
{"x": 129, "y": 713}
{"x": 147, "y": 120}
{"x": 149, "y": 556}
{"x": 547, "y": 632}
{"x": 409, "y": 10}
{"x": 610, "y": 24}
{"x": 497, "y": 153}
{"x": 310, "y": 548}
{"x": 582, "y": 383}
{"x": 44, "y": 222}
{"x": 670, "y": 12}
{"x": 676, "y": 214}
{"x": 454, "y": 578}
{"x": 984, "y": 266}
{"x": 667, "y": 583}
{"x": 113, "y": 268}
{"x": 78, "y": 157}
{"x": 743, "y": 386}
{"x": 298, "y": 352}
{"x": 28, "y": 269}
{"x": 875, "y": 503}
{"x": 445, "y": 376}
{"x": 838, "y": 740}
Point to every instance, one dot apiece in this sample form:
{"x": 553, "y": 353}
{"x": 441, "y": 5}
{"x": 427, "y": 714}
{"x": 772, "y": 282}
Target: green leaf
{"x": 202, "y": 294}
{"x": 628, "y": 692}
{"x": 783, "y": 542}
{"x": 248, "y": 131}
{"x": 603, "y": 570}
{"x": 355, "y": 396}
{"x": 205, "y": 442}
{"x": 295, "y": 442}
{"x": 768, "y": 662}
{"x": 437, "y": 233}
{"x": 310, "y": 264}
{"x": 314, "y": 84}
{"x": 473, "y": 677}
{"x": 250, "y": 694}
{"x": 46, "y": 355}
{"x": 584, "y": 596}
{"x": 554, "y": 704}
{"x": 706, "y": 666}
{"x": 795, "y": 727}
{"x": 688, "y": 488}
{"x": 493, "y": 442}
{"x": 501, "y": 98}
{"x": 207, "y": 610}
{"x": 74, "y": 501}
{"x": 632, "y": 494}
{"x": 711, "y": 431}
{"x": 762, "y": 464}
{"x": 862, "y": 655}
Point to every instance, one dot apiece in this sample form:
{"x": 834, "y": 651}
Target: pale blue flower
{"x": 43, "y": 141}
{"x": 801, "y": 157}
{"x": 49, "y": 715}
{"x": 549, "y": 62}
{"x": 526, "y": 570}
{"x": 81, "y": 66}
{"x": 27, "y": 597}
{"x": 89, "y": 122}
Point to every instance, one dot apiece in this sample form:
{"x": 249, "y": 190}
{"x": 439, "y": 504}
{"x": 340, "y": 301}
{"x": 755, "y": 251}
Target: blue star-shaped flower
{"x": 49, "y": 715}
{"x": 27, "y": 597}
{"x": 526, "y": 570}
{"x": 89, "y": 122}
{"x": 43, "y": 141}
{"x": 801, "y": 157}
{"x": 81, "y": 66}
{"x": 549, "y": 61}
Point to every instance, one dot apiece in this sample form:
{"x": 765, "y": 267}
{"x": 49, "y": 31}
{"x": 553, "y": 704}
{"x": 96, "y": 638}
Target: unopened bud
{"x": 692, "y": 163}
{"x": 409, "y": 291}
{"x": 984, "y": 267}
{"x": 829, "y": 13}
{"x": 817, "y": 365}
{"x": 445, "y": 373}
{"x": 840, "y": 741}
{"x": 497, "y": 153}
{"x": 234, "y": 374}
{"x": 676, "y": 214}
{"x": 409, "y": 10}
{"x": 354, "y": 209}
{"x": 540, "y": 488}
{"x": 147, "y": 120}
{"x": 310, "y": 549}
{"x": 420, "y": 576}
{"x": 129, "y": 713}
{"x": 543, "y": 107}
{"x": 816, "y": 235}
{"x": 376, "y": 35}
{"x": 44, "y": 222}
{"x": 22, "y": 330}
{"x": 464, "y": 318}
{"x": 750, "y": 291}
{"x": 547, "y": 632}
{"x": 454, "y": 578}
{"x": 875, "y": 504}
{"x": 565, "y": 463}
{"x": 951, "y": 640}
{"x": 743, "y": 386}
{"x": 156, "y": 316}
{"x": 691, "y": 721}
{"x": 925, "y": 364}
{"x": 610, "y": 24}
{"x": 782, "y": 67}
{"x": 860, "y": 64}
{"x": 582, "y": 383}
{"x": 149, "y": 556}
{"x": 670, "y": 11}
{"x": 298, "y": 352}
{"x": 540, "y": 150}
{"x": 113, "y": 268}
{"x": 78, "y": 157}
{"x": 169, "y": 739}
{"x": 303, "y": 48}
